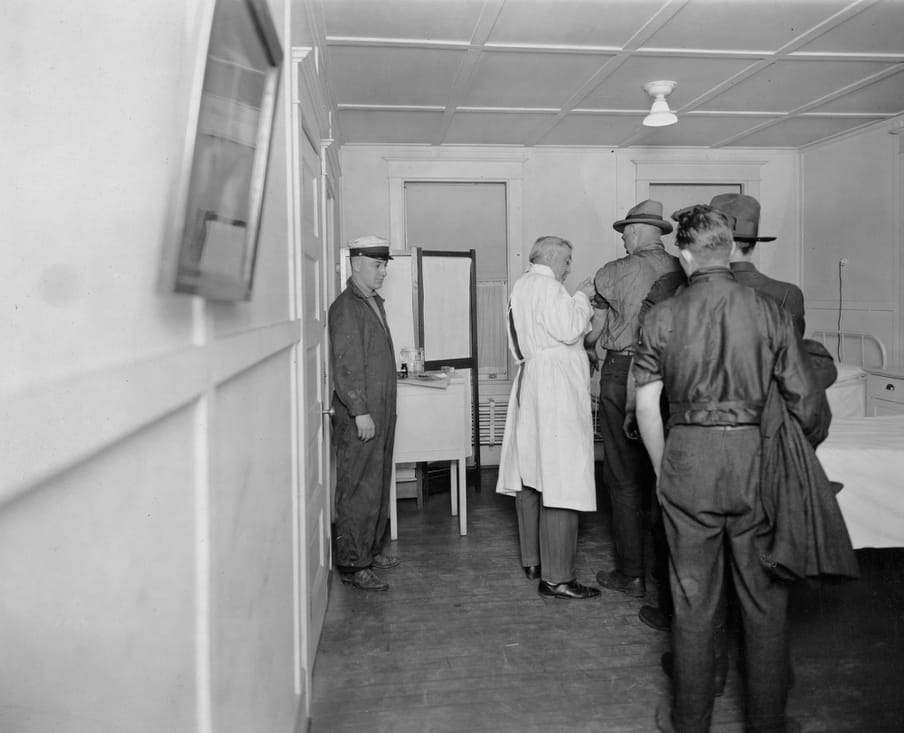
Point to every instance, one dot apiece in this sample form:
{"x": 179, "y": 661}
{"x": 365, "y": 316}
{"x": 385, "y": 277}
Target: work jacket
{"x": 363, "y": 358}
{"x": 719, "y": 376}
{"x": 787, "y": 294}
{"x": 804, "y": 534}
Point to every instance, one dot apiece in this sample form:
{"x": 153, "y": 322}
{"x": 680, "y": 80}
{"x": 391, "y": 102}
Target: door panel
{"x": 313, "y": 401}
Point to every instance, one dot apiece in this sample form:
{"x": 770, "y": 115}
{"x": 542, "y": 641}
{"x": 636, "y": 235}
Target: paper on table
{"x": 428, "y": 379}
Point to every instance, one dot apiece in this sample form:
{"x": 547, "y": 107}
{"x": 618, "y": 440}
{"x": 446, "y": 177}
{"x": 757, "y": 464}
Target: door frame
{"x": 306, "y": 120}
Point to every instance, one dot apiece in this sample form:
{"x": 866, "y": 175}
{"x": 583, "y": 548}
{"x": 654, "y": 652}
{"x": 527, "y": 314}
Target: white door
{"x": 315, "y": 399}
{"x": 311, "y": 396}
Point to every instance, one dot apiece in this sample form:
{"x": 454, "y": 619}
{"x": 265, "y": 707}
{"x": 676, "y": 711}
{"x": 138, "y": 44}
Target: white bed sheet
{"x": 847, "y": 396}
{"x": 867, "y": 455}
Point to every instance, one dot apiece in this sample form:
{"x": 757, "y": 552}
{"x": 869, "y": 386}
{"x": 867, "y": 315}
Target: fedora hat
{"x": 646, "y": 212}
{"x": 371, "y": 246}
{"x": 744, "y": 212}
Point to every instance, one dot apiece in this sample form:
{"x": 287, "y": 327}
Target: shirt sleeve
{"x": 603, "y": 281}
{"x": 348, "y": 358}
{"x": 647, "y": 365}
{"x": 794, "y": 374}
{"x": 566, "y": 317}
{"x": 795, "y": 306}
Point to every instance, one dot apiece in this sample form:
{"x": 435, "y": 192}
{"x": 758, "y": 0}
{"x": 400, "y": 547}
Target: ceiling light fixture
{"x": 660, "y": 114}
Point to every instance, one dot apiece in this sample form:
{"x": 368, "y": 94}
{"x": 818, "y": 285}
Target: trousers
{"x": 548, "y": 536}
{"x": 363, "y": 473}
{"x": 709, "y": 485}
{"x": 627, "y": 473}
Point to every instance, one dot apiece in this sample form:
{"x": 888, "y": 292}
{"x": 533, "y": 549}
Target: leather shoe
{"x": 655, "y": 618}
{"x": 384, "y": 562}
{"x": 668, "y": 666}
{"x": 570, "y": 591}
{"x": 364, "y": 579}
{"x": 532, "y": 572}
{"x": 627, "y": 584}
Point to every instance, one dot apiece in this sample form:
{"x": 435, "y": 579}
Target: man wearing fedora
{"x": 364, "y": 416}
{"x": 621, "y": 286}
{"x": 744, "y": 213}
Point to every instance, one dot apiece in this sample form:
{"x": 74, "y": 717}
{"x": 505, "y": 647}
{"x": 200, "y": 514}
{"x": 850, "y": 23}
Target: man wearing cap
{"x": 744, "y": 213}
{"x": 364, "y": 406}
{"x": 708, "y": 468}
{"x": 621, "y": 286}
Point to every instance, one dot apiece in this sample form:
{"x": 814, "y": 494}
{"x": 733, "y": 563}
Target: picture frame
{"x": 228, "y": 150}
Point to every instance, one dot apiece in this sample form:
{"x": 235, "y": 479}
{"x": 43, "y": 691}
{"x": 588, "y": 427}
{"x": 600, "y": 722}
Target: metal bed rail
{"x": 851, "y": 343}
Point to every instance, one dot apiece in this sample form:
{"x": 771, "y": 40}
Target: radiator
{"x": 492, "y": 421}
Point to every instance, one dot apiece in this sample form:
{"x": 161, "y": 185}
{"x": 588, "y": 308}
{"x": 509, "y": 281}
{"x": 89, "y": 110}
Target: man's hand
{"x": 366, "y": 428}
{"x": 587, "y": 287}
{"x": 632, "y": 432}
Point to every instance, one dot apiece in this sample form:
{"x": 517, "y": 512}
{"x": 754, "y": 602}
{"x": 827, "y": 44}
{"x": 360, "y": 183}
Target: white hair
{"x": 544, "y": 247}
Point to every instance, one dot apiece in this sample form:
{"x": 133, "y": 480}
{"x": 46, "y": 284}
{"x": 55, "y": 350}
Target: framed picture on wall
{"x": 220, "y": 211}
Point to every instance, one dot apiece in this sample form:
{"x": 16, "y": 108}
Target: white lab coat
{"x": 548, "y": 439}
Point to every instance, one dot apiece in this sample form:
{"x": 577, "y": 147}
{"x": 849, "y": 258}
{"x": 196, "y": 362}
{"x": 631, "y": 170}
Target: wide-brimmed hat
{"x": 646, "y": 212}
{"x": 744, "y": 212}
{"x": 371, "y": 246}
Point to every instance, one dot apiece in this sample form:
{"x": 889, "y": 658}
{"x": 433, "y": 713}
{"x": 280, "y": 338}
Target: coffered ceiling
{"x": 749, "y": 73}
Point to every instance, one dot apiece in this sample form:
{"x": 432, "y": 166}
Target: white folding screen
{"x": 446, "y": 285}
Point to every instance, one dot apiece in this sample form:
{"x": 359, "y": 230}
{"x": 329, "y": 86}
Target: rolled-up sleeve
{"x": 647, "y": 365}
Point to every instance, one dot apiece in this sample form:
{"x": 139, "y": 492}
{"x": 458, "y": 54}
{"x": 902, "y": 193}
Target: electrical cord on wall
{"x": 841, "y": 263}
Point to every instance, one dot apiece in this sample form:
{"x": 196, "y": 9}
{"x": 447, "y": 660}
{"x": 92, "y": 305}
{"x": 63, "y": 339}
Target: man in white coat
{"x": 547, "y": 449}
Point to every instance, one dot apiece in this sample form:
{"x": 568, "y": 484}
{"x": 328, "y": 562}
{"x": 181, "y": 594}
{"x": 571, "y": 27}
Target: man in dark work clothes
{"x": 708, "y": 469}
{"x": 621, "y": 286}
{"x": 744, "y": 215}
{"x": 364, "y": 406}
{"x": 744, "y": 212}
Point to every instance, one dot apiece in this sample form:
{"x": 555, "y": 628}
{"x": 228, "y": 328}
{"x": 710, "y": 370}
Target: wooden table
{"x": 434, "y": 425}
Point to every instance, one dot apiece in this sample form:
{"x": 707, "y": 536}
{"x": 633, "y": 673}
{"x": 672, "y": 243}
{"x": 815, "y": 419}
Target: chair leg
{"x": 420, "y": 476}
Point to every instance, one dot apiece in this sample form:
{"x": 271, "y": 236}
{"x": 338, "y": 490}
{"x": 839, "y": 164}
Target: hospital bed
{"x": 854, "y": 353}
{"x": 865, "y": 454}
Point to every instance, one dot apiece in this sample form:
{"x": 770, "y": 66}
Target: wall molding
{"x": 893, "y": 126}
{"x": 861, "y": 305}
{"x": 505, "y": 169}
{"x": 50, "y": 430}
{"x": 638, "y": 172}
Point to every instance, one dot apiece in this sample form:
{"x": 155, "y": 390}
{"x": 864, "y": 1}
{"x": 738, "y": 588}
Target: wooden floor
{"x": 463, "y": 642}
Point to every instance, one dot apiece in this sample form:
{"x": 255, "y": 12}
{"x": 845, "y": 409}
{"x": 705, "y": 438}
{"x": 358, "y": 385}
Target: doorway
{"x": 675, "y": 196}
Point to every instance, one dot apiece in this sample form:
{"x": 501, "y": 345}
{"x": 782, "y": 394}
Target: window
{"x": 460, "y": 216}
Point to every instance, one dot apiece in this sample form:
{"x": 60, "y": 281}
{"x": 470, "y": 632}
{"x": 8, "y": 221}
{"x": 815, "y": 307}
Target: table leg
{"x": 393, "y": 507}
{"x": 462, "y": 498}
{"x": 453, "y": 487}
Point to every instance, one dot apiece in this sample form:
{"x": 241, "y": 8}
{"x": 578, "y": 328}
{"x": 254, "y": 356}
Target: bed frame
{"x": 865, "y": 454}
{"x": 854, "y": 347}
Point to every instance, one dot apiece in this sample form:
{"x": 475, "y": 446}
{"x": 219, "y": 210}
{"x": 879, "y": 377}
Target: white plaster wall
{"x": 97, "y": 621}
{"x": 571, "y": 193}
{"x": 146, "y": 527}
{"x": 93, "y": 133}
{"x": 852, "y": 209}
{"x": 579, "y": 192}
